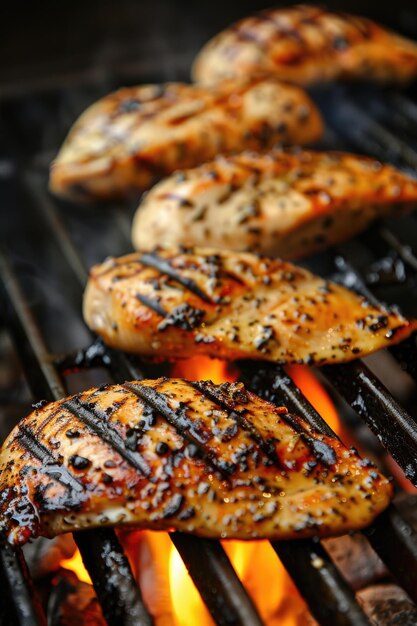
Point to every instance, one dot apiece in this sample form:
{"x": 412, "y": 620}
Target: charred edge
{"x": 267, "y": 447}
{"x": 51, "y": 466}
{"x": 152, "y": 260}
{"x": 321, "y": 450}
{"x": 96, "y": 421}
{"x": 184, "y": 426}
{"x": 151, "y": 304}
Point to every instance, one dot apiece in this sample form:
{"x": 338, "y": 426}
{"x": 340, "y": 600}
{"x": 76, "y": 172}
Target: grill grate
{"x": 45, "y": 232}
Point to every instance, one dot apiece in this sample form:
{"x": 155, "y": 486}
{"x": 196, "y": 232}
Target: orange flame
{"x": 75, "y": 564}
{"x": 205, "y": 368}
{"x": 256, "y": 564}
{"x": 188, "y": 608}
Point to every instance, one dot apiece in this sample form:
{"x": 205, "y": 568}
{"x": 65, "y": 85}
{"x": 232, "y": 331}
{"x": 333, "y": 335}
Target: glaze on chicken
{"x": 283, "y": 203}
{"x": 306, "y": 44}
{"x": 126, "y": 141}
{"x": 214, "y": 460}
{"x": 174, "y": 303}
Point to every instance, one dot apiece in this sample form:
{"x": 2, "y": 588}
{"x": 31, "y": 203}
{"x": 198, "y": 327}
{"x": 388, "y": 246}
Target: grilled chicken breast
{"x": 305, "y": 44}
{"x": 179, "y": 303}
{"x": 214, "y": 460}
{"x": 287, "y": 204}
{"x": 132, "y": 137}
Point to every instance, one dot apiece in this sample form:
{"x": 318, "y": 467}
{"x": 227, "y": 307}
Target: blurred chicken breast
{"x": 284, "y": 203}
{"x": 126, "y": 141}
{"x": 306, "y": 44}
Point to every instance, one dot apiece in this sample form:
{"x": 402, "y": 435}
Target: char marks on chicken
{"x": 176, "y": 302}
{"x": 214, "y": 460}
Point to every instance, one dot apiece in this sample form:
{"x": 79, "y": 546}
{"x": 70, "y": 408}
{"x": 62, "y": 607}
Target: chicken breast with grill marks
{"x": 126, "y": 141}
{"x": 164, "y": 454}
{"x": 305, "y": 44}
{"x": 174, "y": 303}
{"x": 284, "y": 203}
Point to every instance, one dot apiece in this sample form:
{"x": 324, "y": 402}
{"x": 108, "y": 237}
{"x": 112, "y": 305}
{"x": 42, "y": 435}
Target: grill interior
{"x": 46, "y": 249}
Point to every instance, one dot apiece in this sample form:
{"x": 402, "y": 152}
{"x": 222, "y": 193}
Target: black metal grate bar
{"x": 20, "y": 604}
{"x": 41, "y": 375}
{"x": 24, "y": 608}
{"x": 407, "y": 109}
{"x": 46, "y": 207}
{"x": 395, "y": 541}
{"x": 322, "y": 586}
{"x": 394, "y": 427}
{"x": 405, "y": 354}
{"x": 120, "y": 601}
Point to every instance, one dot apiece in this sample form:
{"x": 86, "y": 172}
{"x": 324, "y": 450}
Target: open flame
{"x": 205, "y": 368}
{"x": 75, "y": 564}
{"x": 187, "y": 606}
{"x": 257, "y": 565}
{"x": 167, "y": 588}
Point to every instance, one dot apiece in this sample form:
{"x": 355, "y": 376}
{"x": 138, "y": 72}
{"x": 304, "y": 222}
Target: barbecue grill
{"x": 47, "y": 248}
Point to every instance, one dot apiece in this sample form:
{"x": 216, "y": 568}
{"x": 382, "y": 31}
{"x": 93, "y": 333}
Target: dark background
{"x": 50, "y": 43}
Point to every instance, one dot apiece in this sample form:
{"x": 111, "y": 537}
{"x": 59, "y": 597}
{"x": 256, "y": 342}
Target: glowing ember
{"x": 75, "y": 564}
